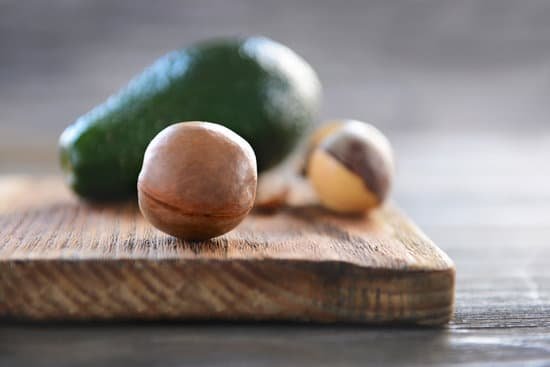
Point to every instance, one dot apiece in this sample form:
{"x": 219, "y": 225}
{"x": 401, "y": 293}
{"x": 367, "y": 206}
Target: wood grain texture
{"x": 61, "y": 259}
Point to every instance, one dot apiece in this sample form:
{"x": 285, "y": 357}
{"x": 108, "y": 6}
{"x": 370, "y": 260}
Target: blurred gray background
{"x": 407, "y": 66}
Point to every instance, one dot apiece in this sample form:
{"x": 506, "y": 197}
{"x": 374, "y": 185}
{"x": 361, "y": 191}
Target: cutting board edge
{"x": 449, "y": 265}
{"x": 267, "y": 290}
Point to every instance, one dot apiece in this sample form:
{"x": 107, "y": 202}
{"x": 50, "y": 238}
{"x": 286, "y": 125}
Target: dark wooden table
{"x": 485, "y": 199}
{"x": 462, "y": 90}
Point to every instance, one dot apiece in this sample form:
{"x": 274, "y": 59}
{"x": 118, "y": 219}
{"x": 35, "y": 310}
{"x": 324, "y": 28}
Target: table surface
{"x": 485, "y": 201}
{"x": 466, "y": 112}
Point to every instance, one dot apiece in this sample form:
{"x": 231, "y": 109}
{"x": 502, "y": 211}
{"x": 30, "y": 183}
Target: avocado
{"x": 256, "y": 87}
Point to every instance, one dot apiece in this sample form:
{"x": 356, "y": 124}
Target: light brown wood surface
{"x": 62, "y": 259}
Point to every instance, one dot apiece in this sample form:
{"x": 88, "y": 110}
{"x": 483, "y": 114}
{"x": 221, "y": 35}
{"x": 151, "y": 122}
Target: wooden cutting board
{"x": 63, "y": 259}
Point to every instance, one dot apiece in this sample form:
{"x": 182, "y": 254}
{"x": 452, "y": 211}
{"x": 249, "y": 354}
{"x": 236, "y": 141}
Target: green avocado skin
{"x": 257, "y": 87}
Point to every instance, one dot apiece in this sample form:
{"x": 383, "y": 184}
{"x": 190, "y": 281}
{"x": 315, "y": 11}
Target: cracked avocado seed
{"x": 351, "y": 168}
